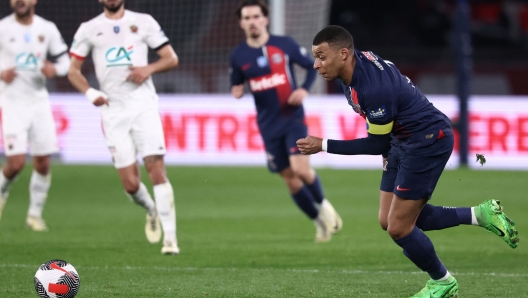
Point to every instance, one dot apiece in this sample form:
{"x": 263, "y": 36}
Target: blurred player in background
{"x": 26, "y": 41}
{"x": 266, "y": 62}
{"x": 119, "y": 40}
{"x": 419, "y": 141}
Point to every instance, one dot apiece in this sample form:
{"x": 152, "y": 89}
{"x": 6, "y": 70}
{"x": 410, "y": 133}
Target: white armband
{"x": 93, "y": 94}
{"x": 324, "y": 145}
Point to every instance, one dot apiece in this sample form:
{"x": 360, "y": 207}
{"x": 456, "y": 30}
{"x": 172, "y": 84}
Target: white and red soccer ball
{"x": 57, "y": 279}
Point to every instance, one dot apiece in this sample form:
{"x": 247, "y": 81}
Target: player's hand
{"x": 49, "y": 70}
{"x": 237, "y": 91}
{"x": 139, "y": 75}
{"x": 297, "y": 96}
{"x": 8, "y": 75}
{"x": 98, "y": 98}
{"x": 310, "y": 145}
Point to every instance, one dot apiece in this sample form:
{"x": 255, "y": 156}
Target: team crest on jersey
{"x": 276, "y": 58}
{"x": 133, "y": 28}
{"x": 370, "y": 56}
{"x": 262, "y": 61}
{"x": 41, "y": 38}
{"x": 380, "y": 112}
{"x": 116, "y": 29}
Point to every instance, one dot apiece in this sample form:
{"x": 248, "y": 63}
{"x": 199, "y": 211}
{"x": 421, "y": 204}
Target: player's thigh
{"x": 299, "y": 163}
{"x": 16, "y": 121}
{"x": 117, "y": 131}
{"x": 418, "y": 173}
{"x": 42, "y": 138}
{"x": 147, "y": 133}
{"x": 384, "y": 207}
{"x": 276, "y": 156}
{"x": 402, "y": 216}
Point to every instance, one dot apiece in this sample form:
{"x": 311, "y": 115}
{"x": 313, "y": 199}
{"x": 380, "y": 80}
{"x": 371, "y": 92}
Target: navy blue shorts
{"x": 279, "y": 149}
{"x": 414, "y": 175}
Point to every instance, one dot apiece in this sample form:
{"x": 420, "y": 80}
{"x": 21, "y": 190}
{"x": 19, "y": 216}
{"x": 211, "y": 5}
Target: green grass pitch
{"x": 241, "y": 236}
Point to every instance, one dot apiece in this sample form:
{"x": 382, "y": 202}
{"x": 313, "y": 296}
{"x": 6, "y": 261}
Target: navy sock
{"x": 304, "y": 199}
{"x": 420, "y": 250}
{"x": 317, "y": 190}
{"x": 439, "y": 217}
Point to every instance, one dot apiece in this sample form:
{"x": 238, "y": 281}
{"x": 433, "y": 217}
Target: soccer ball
{"x": 57, "y": 279}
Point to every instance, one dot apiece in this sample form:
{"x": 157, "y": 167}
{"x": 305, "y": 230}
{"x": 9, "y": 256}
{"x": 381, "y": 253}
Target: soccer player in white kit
{"x": 26, "y": 40}
{"x": 119, "y": 40}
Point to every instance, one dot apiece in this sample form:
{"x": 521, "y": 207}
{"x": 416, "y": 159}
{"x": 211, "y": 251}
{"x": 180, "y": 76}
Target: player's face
{"x": 23, "y": 8}
{"x": 328, "y": 61}
{"x": 112, "y": 5}
{"x": 253, "y": 21}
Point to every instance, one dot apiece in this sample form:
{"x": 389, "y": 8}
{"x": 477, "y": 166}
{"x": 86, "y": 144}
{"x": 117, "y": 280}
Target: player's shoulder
{"x": 7, "y": 20}
{"x": 40, "y": 21}
{"x": 239, "y": 49}
{"x": 139, "y": 16}
{"x": 91, "y": 24}
{"x": 283, "y": 40}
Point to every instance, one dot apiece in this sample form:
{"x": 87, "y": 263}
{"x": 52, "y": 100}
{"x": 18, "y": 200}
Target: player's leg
{"x": 164, "y": 195}
{"x": 14, "y": 165}
{"x": 148, "y": 136}
{"x": 39, "y": 186}
{"x": 42, "y": 140}
{"x": 117, "y": 125}
{"x": 416, "y": 180}
{"x": 16, "y": 120}
{"x": 300, "y": 165}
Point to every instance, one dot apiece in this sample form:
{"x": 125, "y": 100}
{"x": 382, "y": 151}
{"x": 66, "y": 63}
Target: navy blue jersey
{"x": 391, "y": 103}
{"x": 269, "y": 72}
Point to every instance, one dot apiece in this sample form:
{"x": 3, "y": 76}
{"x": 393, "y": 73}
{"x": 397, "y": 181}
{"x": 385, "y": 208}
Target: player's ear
{"x": 344, "y": 53}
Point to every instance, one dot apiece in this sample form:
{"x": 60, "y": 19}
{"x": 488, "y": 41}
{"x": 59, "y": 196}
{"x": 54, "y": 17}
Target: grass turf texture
{"x": 241, "y": 236}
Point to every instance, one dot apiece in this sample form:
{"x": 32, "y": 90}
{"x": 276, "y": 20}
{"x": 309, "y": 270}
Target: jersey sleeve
{"x": 81, "y": 45}
{"x": 299, "y": 55}
{"x": 155, "y": 37}
{"x": 237, "y": 77}
{"x": 57, "y": 45}
{"x": 380, "y": 108}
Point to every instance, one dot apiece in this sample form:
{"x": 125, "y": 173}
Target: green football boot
{"x": 490, "y": 216}
{"x": 439, "y": 289}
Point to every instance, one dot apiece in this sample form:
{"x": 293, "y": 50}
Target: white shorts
{"x": 128, "y": 132}
{"x": 29, "y": 124}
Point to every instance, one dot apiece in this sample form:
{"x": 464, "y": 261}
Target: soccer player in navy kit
{"x": 416, "y": 141}
{"x": 266, "y": 62}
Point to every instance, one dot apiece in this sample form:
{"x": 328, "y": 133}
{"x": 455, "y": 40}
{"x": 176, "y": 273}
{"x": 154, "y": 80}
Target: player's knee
{"x": 14, "y": 166}
{"x": 383, "y": 224}
{"x": 397, "y": 231}
{"x": 294, "y": 184}
{"x": 131, "y": 185}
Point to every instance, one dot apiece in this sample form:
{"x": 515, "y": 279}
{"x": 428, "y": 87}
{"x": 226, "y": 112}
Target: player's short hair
{"x": 335, "y": 36}
{"x": 261, "y": 3}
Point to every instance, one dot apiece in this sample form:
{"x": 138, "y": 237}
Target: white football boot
{"x": 153, "y": 228}
{"x": 331, "y": 216}
{"x": 36, "y": 224}
{"x": 323, "y": 231}
{"x": 170, "y": 248}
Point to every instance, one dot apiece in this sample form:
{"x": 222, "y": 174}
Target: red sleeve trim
{"x": 72, "y": 54}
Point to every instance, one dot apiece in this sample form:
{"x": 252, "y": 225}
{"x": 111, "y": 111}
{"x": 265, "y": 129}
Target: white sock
{"x": 166, "y": 210}
{"x": 474, "y": 220}
{"x": 5, "y": 183}
{"x": 445, "y": 276}
{"x": 143, "y": 198}
{"x": 38, "y": 193}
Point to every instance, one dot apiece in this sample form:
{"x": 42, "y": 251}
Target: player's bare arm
{"x": 168, "y": 59}
{"x": 297, "y": 96}
{"x": 237, "y": 91}
{"x": 78, "y": 81}
{"x": 310, "y": 145}
{"x": 8, "y": 75}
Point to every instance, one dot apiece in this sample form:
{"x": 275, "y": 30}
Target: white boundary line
{"x": 381, "y": 272}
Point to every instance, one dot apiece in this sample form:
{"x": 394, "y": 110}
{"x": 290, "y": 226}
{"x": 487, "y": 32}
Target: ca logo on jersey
{"x": 27, "y": 61}
{"x": 119, "y": 56}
